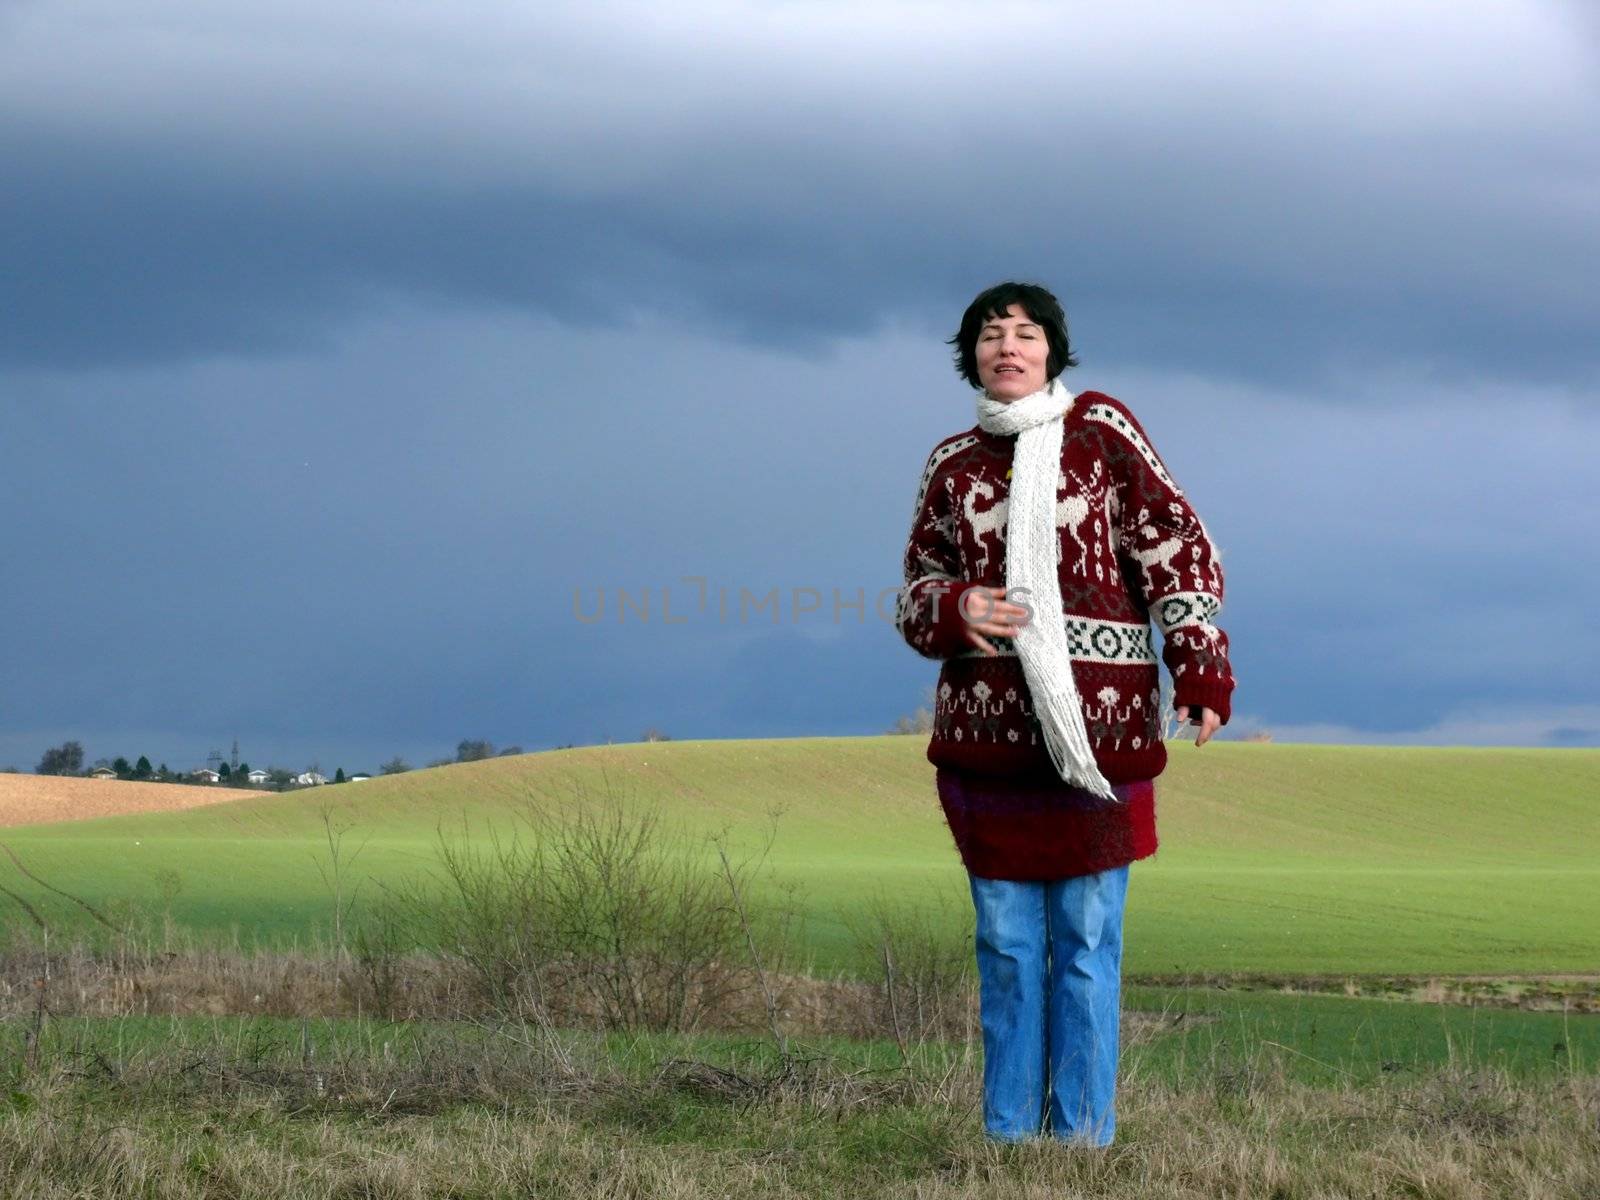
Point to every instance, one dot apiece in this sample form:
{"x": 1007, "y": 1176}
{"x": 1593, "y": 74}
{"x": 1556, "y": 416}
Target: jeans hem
{"x": 1083, "y": 1141}
{"x": 1076, "y": 1140}
{"x": 1012, "y": 1139}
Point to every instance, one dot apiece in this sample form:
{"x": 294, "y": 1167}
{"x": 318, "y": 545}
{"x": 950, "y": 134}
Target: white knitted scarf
{"x": 1033, "y": 556}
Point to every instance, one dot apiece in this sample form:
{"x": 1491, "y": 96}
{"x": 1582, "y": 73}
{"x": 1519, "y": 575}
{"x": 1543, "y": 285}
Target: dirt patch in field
{"x": 220, "y": 981}
{"x": 44, "y": 799}
{"x": 1577, "y": 994}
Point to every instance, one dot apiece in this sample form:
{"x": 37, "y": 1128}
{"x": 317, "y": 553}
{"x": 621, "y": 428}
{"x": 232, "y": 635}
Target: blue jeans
{"x": 1049, "y": 994}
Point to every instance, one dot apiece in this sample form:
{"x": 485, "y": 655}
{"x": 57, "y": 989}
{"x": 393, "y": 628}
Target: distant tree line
{"x": 68, "y": 759}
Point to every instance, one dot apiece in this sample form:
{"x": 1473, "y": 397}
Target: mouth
{"x": 1008, "y": 369}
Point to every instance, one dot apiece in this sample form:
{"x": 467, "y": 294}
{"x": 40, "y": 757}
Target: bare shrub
{"x": 919, "y": 963}
{"x": 593, "y": 911}
{"x": 920, "y": 721}
{"x": 380, "y": 948}
{"x": 586, "y": 913}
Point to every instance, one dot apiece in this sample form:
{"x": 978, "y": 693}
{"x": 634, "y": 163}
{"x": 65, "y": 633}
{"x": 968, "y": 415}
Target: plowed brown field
{"x": 39, "y": 799}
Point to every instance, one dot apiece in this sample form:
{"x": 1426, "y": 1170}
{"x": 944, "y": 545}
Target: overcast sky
{"x": 351, "y": 358}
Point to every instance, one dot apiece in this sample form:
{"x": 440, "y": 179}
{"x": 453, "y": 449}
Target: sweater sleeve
{"x": 927, "y": 611}
{"x": 1173, "y": 562}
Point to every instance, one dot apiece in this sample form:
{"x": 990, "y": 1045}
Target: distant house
{"x": 102, "y": 773}
{"x": 310, "y": 779}
{"x": 205, "y": 775}
{"x": 358, "y": 777}
{"x": 258, "y": 776}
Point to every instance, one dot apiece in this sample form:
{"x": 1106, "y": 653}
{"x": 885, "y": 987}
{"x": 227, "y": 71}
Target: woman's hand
{"x": 987, "y": 611}
{"x": 1208, "y": 721}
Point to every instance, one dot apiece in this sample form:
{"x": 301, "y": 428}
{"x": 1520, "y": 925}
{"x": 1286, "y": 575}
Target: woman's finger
{"x": 978, "y": 641}
{"x": 982, "y": 602}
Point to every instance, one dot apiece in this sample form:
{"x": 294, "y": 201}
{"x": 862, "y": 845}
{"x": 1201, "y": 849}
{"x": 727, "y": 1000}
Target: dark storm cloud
{"x": 377, "y": 547}
{"x": 1270, "y": 196}
{"x": 375, "y": 550}
{"x": 339, "y": 352}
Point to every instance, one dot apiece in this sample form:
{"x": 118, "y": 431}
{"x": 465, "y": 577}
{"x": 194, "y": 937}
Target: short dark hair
{"x": 1042, "y": 308}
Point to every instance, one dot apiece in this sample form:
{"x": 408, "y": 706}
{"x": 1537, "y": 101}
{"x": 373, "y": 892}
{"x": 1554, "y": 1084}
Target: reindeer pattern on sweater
{"x": 1131, "y": 550}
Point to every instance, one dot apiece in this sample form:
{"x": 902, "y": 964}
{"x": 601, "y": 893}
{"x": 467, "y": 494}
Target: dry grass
{"x": 461, "y": 1102}
{"x": 227, "y": 982}
{"x": 516, "y": 1115}
{"x": 44, "y": 799}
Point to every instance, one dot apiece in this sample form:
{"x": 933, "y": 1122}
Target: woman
{"x": 1047, "y": 732}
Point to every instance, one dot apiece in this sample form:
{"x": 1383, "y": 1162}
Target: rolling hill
{"x": 1274, "y": 858}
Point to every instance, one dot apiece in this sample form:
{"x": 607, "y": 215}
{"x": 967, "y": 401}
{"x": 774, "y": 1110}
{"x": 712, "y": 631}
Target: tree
{"x": 654, "y": 735}
{"x": 65, "y": 759}
{"x": 141, "y": 769}
{"x": 280, "y": 775}
{"x": 242, "y": 775}
{"x": 395, "y": 766}
{"x": 920, "y": 721}
{"x": 223, "y": 770}
{"x": 509, "y": 751}
{"x": 122, "y": 767}
{"x": 338, "y": 775}
{"x": 471, "y": 751}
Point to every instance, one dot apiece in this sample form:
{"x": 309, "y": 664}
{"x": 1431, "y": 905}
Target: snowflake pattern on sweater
{"x": 1131, "y": 550}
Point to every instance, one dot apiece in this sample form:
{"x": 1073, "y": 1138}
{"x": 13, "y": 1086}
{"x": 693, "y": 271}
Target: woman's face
{"x": 1012, "y": 353}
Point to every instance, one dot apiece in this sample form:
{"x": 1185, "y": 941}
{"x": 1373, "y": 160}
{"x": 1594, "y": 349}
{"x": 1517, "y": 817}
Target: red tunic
{"x": 1043, "y": 829}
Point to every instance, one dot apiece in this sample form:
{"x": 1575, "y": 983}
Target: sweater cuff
{"x": 948, "y": 632}
{"x": 1217, "y": 695}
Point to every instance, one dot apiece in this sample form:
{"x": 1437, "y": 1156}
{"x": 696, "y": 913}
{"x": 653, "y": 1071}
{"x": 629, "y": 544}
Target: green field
{"x": 1276, "y": 859}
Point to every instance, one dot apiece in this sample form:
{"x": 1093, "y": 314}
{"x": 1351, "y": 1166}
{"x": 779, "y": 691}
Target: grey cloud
{"x": 1397, "y": 559}
{"x": 1500, "y": 725}
{"x": 1246, "y": 198}
{"x": 339, "y": 352}
{"x": 382, "y": 541}
{"x": 377, "y": 546}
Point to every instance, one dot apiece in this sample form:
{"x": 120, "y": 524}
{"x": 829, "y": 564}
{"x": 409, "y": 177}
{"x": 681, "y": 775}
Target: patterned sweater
{"x": 1131, "y": 550}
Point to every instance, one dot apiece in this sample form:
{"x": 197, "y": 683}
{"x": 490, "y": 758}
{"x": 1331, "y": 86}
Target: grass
{"x": 1285, "y": 859}
{"x": 1334, "y": 1039}
{"x": 1176, "y": 1032}
{"x": 261, "y": 1110}
{"x": 1242, "y": 1090}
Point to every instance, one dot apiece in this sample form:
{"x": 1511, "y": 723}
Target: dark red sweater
{"x": 1132, "y": 550}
